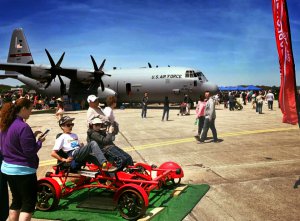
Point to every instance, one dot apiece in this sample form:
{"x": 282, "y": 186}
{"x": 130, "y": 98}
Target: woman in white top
{"x": 111, "y": 102}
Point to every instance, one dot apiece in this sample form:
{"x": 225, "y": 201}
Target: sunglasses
{"x": 99, "y": 125}
{"x": 69, "y": 125}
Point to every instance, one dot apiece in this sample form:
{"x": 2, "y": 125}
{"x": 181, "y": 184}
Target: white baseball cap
{"x": 92, "y": 98}
{"x": 97, "y": 120}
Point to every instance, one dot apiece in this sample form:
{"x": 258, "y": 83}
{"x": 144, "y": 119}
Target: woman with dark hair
{"x": 20, "y": 160}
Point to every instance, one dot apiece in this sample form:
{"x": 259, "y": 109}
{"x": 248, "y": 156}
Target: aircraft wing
{"x": 37, "y": 72}
{"x": 15, "y": 76}
{"x": 21, "y": 68}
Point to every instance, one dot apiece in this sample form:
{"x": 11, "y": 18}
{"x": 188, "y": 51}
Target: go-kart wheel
{"x": 46, "y": 195}
{"x": 131, "y": 204}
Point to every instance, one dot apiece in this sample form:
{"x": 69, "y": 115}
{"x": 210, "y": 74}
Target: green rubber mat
{"x": 77, "y": 207}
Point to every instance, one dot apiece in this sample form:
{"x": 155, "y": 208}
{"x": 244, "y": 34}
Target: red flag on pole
{"x": 287, "y": 94}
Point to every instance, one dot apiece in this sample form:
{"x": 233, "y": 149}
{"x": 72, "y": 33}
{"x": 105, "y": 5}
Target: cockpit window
{"x": 190, "y": 74}
{"x": 201, "y": 76}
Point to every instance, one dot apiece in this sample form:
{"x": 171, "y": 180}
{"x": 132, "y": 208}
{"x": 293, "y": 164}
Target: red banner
{"x": 287, "y": 95}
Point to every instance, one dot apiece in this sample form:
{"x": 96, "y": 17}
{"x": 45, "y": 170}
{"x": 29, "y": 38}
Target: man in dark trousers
{"x": 210, "y": 117}
{"x": 166, "y": 109}
{"x": 144, "y": 105}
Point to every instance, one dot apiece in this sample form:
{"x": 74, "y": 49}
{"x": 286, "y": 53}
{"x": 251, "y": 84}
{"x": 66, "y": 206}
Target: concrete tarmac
{"x": 253, "y": 172}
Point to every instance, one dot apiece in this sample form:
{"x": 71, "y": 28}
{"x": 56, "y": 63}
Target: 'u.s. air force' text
{"x": 166, "y": 76}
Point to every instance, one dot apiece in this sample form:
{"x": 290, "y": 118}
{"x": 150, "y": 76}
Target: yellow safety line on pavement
{"x": 185, "y": 140}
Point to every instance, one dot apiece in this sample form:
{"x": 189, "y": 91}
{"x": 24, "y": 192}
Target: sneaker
{"x": 200, "y": 141}
{"x": 217, "y": 141}
{"x": 107, "y": 168}
{"x": 197, "y": 137}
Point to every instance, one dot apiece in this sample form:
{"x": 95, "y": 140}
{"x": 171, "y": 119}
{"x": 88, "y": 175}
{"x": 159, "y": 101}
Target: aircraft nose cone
{"x": 212, "y": 88}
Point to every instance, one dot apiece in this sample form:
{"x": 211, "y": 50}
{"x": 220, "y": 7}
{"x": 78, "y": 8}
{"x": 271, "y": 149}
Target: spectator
{"x": 144, "y": 105}
{"x": 270, "y": 99}
{"x": 200, "y": 114}
{"x": 20, "y": 160}
{"x": 59, "y": 109}
{"x": 166, "y": 109}
{"x": 94, "y": 110}
{"x": 111, "y": 102}
{"x": 231, "y": 100}
{"x": 259, "y": 102}
{"x": 210, "y": 117}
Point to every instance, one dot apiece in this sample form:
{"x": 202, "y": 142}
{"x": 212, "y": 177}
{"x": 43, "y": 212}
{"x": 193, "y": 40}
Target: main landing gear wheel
{"x": 47, "y": 198}
{"x": 131, "y": 204}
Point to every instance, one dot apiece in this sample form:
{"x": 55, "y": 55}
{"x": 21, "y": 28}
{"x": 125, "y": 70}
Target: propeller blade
{"x": 60, "y": 79}
{"x": 102, "y": 65}
{"x": 94, "y": 63}
{"x": 149, "y": 65}
{"x": 50, "y": 58}
{"x": 48, "y": 83}
{"x": 62, "y": 85}
{"x": 107, "y": 75}
{"x": 102, "y": 85}
{"x": 60, "y": 60}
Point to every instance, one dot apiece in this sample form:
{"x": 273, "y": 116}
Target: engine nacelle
{"x": 107, "y": 92}
{"x": 39, "y": 73}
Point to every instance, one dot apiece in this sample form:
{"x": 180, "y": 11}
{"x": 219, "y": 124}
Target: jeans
{"x": 166, "y": 111}
{"x": 270, "y": 105}
{"x": 91, "y": 153}
{"x": 144, "y": 111}
{"x": 118, "y": 156}
{"x": 209, "y": 124}
{"x": 259, "y": 107}
{"x": 200, "y": 124}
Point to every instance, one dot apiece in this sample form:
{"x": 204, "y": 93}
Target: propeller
{"x": 149, "y": 65}
{"x": 98, "y": 74}
{"x": 55, "y": 70}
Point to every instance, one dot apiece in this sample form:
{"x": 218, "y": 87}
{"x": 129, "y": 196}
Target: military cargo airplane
{"x": 128, "y": 85}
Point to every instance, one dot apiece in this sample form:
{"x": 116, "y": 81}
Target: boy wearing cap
{"x": 69, "y": 143}
{"x": 94, "y": 110}
{"x": 104, "y": 139}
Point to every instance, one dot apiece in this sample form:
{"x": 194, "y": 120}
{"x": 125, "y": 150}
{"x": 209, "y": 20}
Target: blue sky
{"x": 231, "y": 41}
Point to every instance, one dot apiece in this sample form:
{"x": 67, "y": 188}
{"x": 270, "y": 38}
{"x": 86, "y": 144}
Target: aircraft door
{"x": 128, "y": 89}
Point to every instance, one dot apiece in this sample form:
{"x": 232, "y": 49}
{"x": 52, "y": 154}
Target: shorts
{"x": 24, "y": 192}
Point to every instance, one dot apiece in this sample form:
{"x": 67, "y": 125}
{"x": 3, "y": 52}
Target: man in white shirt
{"x": 270, "y": 99}
{"x": 210, "y": 117}
{"x": 94, "y": 110}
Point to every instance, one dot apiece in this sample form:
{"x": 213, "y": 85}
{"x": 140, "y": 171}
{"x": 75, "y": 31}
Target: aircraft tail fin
{"x": 19, "y": 51}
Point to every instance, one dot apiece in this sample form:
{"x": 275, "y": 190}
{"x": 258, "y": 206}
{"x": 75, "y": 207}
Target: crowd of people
{"x": 234, "y": 100}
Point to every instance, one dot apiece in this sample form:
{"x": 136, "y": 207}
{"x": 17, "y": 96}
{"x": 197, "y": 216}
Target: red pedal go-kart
{"x": 131, "y": 186}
